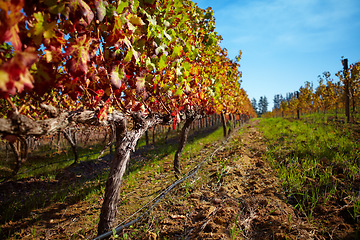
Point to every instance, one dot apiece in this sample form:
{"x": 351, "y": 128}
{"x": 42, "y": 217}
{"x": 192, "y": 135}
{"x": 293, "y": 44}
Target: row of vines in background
{"x": 342, "y": 96}
{"x": 54, "y": 149}
{"x": 49, "y": 149}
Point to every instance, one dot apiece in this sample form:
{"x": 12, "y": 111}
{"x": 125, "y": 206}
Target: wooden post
{"x": 153, "y": 134}
{"x": 298, "y": 109}
{"x": 147, "y": 137}
{"x": 347, "y": 89}
{"x": 223, "y": 120}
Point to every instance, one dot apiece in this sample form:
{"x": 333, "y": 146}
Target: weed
{"x": 356, "y": 208}
{"x": 220, "y": 175}
{"x": 308, "y": 156}
{"x": 114, "y": 234}
{"x": 289, "y": 222}
{"x": 236, "y": 230}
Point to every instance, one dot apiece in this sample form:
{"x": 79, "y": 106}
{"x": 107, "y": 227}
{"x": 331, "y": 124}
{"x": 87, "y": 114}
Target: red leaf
{"x": 11, "y": 16}
{"x": 10, "y": 138}
{"x": 136, "y": 107}
{"x": 102, "y": 113}
{"x": 79, "y": 8}
{"x": 15, "y": 73}
{"x": 79, "y": 52}
{"x": 175, "y": 119}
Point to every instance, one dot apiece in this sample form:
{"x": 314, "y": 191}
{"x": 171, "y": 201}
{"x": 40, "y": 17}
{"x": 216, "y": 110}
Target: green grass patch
{"x": 317, "y": 162}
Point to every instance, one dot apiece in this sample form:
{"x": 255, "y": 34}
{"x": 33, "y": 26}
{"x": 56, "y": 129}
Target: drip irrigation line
{"x": 157, "y": 199}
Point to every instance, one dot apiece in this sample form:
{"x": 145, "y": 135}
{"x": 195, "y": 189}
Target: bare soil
{"x": 235, "y": 195}
{"x": 241, "y": 198}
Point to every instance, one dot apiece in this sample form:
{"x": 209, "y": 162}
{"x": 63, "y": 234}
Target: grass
{"x": 318, "y": 161}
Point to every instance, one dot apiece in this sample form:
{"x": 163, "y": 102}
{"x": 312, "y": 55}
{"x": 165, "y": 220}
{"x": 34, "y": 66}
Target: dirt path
{"x": 237, "y": 196}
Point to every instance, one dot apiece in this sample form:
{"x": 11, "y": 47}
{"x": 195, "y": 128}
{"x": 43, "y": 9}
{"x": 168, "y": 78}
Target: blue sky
{"x": 287, "y": 42}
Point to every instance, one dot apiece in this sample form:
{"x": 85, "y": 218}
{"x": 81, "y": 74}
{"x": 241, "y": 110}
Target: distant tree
{"x": 254, "y": 105}
{"x": 278, "y": 98}
{"x": 263, "y": 105}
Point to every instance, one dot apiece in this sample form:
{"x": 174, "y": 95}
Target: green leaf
{"x": 122, "y": 5}
{"x": 186, "y": 65}
{"x": 128, "y": 56}
{"x": 135, "y": 6}
{"x": 149, "y": 64}
{"x": 179, "y": 92}
{"x": 100, "y": 9}
{"x": 162, "y": 62}
{"x": 177, "y": 51}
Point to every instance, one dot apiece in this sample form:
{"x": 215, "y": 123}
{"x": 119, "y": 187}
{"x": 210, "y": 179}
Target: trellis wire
{"x": 190, "y": 174}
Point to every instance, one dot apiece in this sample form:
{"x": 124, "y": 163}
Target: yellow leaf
{"x": 135, "y": 20}
{"x": 4, "y": 78}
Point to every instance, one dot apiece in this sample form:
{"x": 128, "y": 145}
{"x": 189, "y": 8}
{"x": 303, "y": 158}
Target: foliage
{"x": 329, "y": 95}
{"x": 148, "y": 56}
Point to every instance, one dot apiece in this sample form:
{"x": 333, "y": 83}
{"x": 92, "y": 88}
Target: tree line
{"x": 341, "y": 95}
{"x": 260, "y": 107}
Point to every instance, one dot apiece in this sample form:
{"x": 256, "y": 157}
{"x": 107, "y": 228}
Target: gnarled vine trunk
{"x": 71, "y": 137}
{"x": 117, "y": 170}
{"x": 20, "y": 149}
{"x": 182, "y": 143}
{"x": 125, "y": 143}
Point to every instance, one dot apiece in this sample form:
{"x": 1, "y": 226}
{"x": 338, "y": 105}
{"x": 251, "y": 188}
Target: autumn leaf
{"x": 115, "y": 79}
{"x": 116, "y": 33}
{"x": 4, "y": 79}
{"x": 80, "y": 7}
{"x": 103, "y": 113}
{"x": 135, "y": 20}
{"x": 43, "y": 27}
{"x": 10, "y": 16}
{"x": 140, "y": 84}
{"x": 100, "y": 9}
{"x": 15, "y": 72}
{"x": 79, "y": 52}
